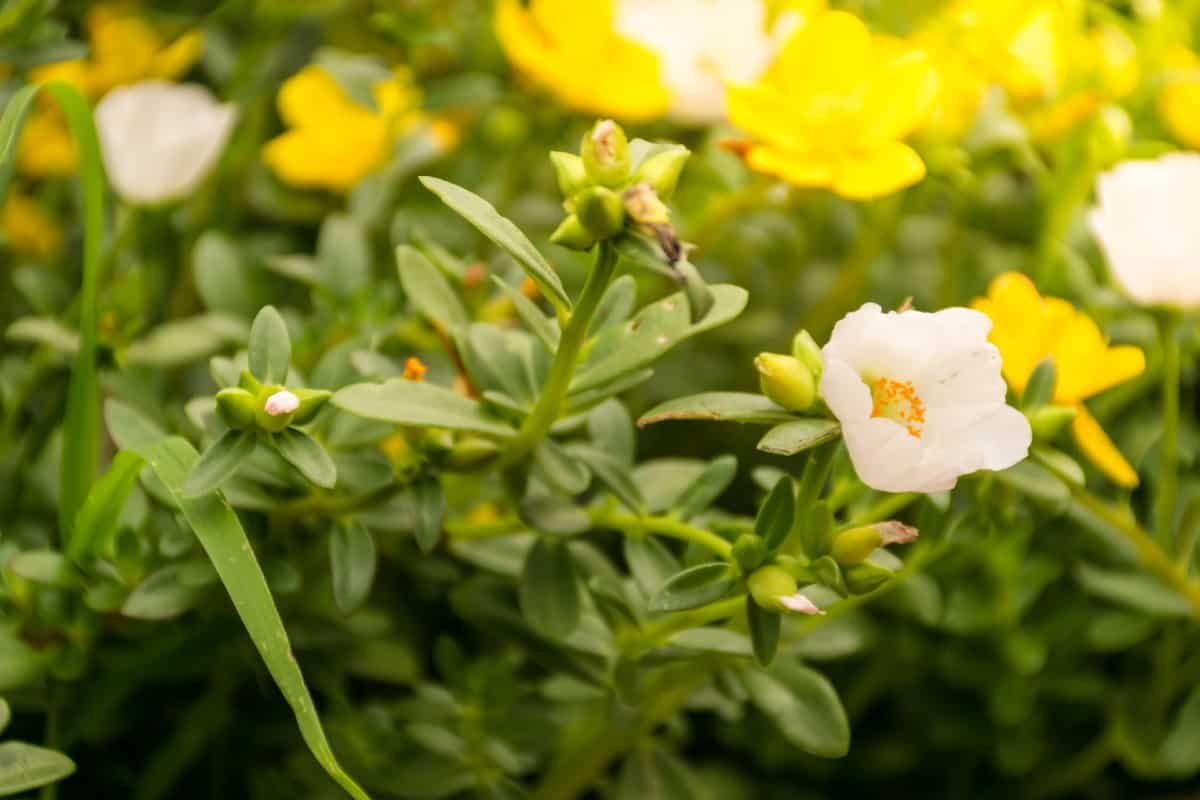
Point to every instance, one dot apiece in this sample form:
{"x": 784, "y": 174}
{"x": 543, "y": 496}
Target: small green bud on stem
{"x": 605, "y": 153}
{"x": 786, "y": 381}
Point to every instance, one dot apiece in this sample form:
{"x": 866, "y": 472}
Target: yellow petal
{"x": 899, "y": 97}
{"x": 334, "y": 157}
{"x": 764, "y": 112}
{"x": 794, "y": 168}
{"x": 1100, "y": 450}
{"x": 312, "y": 98}
{"x": 123, "y": 48}
{"x": 1179, "y": 107}
{"x": 178, "y": 57}
{"x": 831, "y": 55}
{"x": 29, "y": 229}
{"x": 46, "y": 148}
{"x": 575, "y": 24}
{"x": 888, "y": 168}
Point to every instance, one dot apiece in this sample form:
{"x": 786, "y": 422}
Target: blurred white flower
{"x": 159, "y": 140}
{"x": 701, "y": 45}
{"x": 1145, "y": 223}
{"x": 920, "y": 398}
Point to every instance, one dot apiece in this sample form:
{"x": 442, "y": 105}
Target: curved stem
{"x": 658, "y": 631}
{"x": 553, "y": 396}
{"x": 663, "y": 526}
{"x": 1168, "y": 478}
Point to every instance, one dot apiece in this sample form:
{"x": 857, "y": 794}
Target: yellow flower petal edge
{"x": 29, "y": 229}
{"x": 1100, "y": 450}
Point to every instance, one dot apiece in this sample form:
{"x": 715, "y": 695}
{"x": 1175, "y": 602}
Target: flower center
{"x": 899, "y": 402}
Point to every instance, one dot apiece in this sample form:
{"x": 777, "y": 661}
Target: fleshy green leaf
{"x": 26, "y": 766}
{"x": 719, "y": 406}
{"x": 764, "y": 631}
{"x": 694, "y": 587}
{"x": 707, "y": 487}
{"x": 504, "y": 234}
{"x": 343, "y": 255}
{"x": 429, "y": 509}
{"x": 650, "y": 562}
{"x": 423, "y": 404}
{"x": 1132, "y": 590}
{"x": 554, "y": 514}
{"x": 5, "y": 714}
{"x": 97, "y": 520}
{"x": 219, "y": 462}
{"x": 47, "y": 567}
{"x": 650, "y": 773}
{"x": 777, "y": 514}
{"x": 790, "y": 438}
{"x": 559, "y": 470}
{"x": 428, "y": 290}
{"x": 161, "y": 595}
{"x": 1039, "y": 389}
{"x": 611, "y": 429}
{"x": 612, "y": 473}
{"x": 803, "y": 705}
{"x": 270, "y": 347}
{"x": 540, "y": 325}
{"x": 352, "y": 562}
{"x": 307, "y": 455}
{"x": 549, "y": 589}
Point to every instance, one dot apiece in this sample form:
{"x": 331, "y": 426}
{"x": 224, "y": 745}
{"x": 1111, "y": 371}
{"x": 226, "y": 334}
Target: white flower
{"x": 701, "y": 45}
{"x": 159, "y": 140}
{"x": 1146, "y": 225}
{"x": 920, "y": 398}
{"x": 282, "y": 402}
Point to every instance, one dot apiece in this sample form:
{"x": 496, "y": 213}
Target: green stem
{"x": 1168, "y": 478}
{"x": 553, "y": 396}
{"x": 663, "y": 526}
{"x": 883, "y": 509}
{"x": 337, "y": 505}
{"x": 50, "y": 790}
{"x": 657, "y": 632}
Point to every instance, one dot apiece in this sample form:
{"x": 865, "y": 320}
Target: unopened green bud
{"x": 605, "y": 153}
{"x": 311, "y": 402}
{"x": 786, "y": 380}
{"x": 600, "y": 211}
{"x": 570, "y": 233}
{"x": 748, "y": 551}
{"x": 275, "y": 408}
{"x": 236, "y": 407}
{"x": 866, "y": 577}
{"x": 472, "y": 451}
{"x": 661, "y": 171}
{"x": 569, "y": 170}
{"x": 806, "y": 351}
{"x": 853, "y": 546}
{"x": 437, "y": 443}
{"x": 769, "y": 586}
{"x": 644, "y": 205}
{"x": 1049, "y": 421}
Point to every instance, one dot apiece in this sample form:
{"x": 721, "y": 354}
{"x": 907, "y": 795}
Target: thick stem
{"x": 663, "y": 526}
{"x": 553, "y": 396}
{"x": 1168, "y": 478}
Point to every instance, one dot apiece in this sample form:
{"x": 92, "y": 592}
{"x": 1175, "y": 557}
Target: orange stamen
{"x": 898, "y": 401}
{"x": 414, "y": 369}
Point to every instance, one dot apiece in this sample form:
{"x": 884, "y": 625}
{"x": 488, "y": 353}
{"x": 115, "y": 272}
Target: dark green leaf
{"x": 429, "y": 509}
{"x": 650, "y": 562}
{"x": 270, "y": 347}
{"x": 650, "y": 773}
{"x": 612, "y": 473}
{"x": 26, "y": 766}
{"x": 694, "y": 587}
{"x": 428, "y": 290}
{"x": 777, "y": 514}
{"x": 97, "y": 520}
{"x": 790, "y": 438}
{"x": 160, "y": 596}
{"x": 707, "y": 487}
{"x": 549, "y": 589}
{"x": 719, "y": 406}
{"x": 559, "y": 470}
{"x": 764, "y": 631}
{"x": 307, "y": 455}
{"x": 1180, "y": 750}
{"x": 611, "y": 429}
{"x": 1132, "y": 590}
{"x": 1039, "y": 389}
{"x": 219, "y": 462}
{"x": 554, "y": 514}
{"x": 803, "y": 705}
{"x": 352, "y": 562}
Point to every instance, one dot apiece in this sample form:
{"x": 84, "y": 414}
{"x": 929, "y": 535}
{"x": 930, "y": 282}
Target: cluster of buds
{"x": 604, "y": 191}
{"x": 792, "y": 381}
{"x": 269, "y": 408}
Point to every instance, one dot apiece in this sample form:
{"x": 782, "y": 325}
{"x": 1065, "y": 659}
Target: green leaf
{"x": 1039, "y": 389}
{"x": 97, "y": 519}
{"x": 650, "y": 562}
{"x": 719, "y": 406}
{"x": 549, "y": 589}
{"x": 764, "y": 631}
{"x": 5, "y": 714}
{"x": 26, "y": 766}
{"x": 790, "y": 438}
{"x": 422, "y": 404}
{"x": 183, "y": 341}
{"x": 650, "y": 773}
{"x": 307, "y": 455}
{"x": 616, "y": 305}
{"x": 699, "y": 294}
{"x": 46, "y": 331}
{"x": 352, "y": 563}
{"x": 1180, "y": 750}
{"x": 1132, "y": 590}
{"x": 343, "y": 255}
{"x": 611, "y": 429}
{"x": 694, "y": 587}
{"x": 224, "y": 280}
{"x": 540, "y": 325}
{"x": 47, "y": 567}
{"x": 128, "y": 427}
{"x": 554, "y": 514}
{"x": 429, "y": 511}
{"x": 219, "y": 462}
{"x": 428, "y": 290}
{"x": 15, "y": 111}
{"x": 803, "y": 705}
{"x": 20, "y": 665}
{"x": 270, "y": 347}
{"x": 612, "y": 473}
{"x": 161, "y": 595}
{"x": 504, "y": 234}
{"x": 777, "y": 514}
{"x": 221, "y": 534}
{"x": 559, "y": 470}
{"x": 707, "y": 487}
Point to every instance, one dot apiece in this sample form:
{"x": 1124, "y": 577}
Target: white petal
{"x": 159, "y": 140}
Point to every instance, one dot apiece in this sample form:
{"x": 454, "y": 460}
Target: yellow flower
{"x": 1179, "y": 102}
{"x": 834, "y": 107}
{"x": 1027, "y": 328}
{"x": 28, "y": 229}
{"x": 572, "y": 49}
{"x": 333, "y": 142}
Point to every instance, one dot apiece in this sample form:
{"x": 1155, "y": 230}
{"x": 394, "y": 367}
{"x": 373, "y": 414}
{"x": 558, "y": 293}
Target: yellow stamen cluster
{"x": 899, "y": 402}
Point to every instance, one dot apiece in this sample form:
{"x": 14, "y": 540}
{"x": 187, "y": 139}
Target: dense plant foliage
{"x": 599, "y": 398}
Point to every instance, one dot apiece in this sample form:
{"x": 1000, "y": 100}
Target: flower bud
{"x": 748, "y": 551}
{"x": 311, "y": 402}
{"x": 236, "y": 407}
{"x": 1049, "y": 421}
{"x": 853, "y": 546}
{"x": 569, "y": 170}
{"x": 786, "y": 380}
{"x": 571, "y": 235}
{"x": 600, "y": 211}
{"x": 605, "y": 153}
{"x": 661, "y": 171}
{"x": 644, "y": 206}
{"x": 769, "y": 585}
{"x": 806, "y": 351}
{"x": 275, "y": 409}
{"x": 798, "y": 603}
{"x": 865, "y": 577}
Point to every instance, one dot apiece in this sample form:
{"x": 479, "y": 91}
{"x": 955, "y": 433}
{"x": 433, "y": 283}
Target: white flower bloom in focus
{"x": 159, "y": 140}
{"x": 920, "y": 398}
{"x": 1145, "y": 223}
{"x": 701, "y": 45}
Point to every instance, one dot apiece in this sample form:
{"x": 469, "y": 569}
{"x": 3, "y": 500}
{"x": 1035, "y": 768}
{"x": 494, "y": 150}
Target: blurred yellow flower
{"x": 29, "y": 229}
{"x": 333, "y": 142}
{"x": 834, "y": 107}
{"x": 572, "y": 49}
{"x": 1027, "y": 328}
{"x": 124, "y": 49}
{"x": 1179, "y": 101}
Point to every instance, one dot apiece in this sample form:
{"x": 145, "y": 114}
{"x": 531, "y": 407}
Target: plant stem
{"x": 663, "y": 526}
{"x": 656, "y": 632}
{"x": 1168, "y": 478}
{"x": 553, "y": 396}
{"x": 883, "y": 509}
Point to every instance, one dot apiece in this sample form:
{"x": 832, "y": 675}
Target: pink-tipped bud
{"x": 894, "y": 532}
{"x": 799, "y": 604}
{"x": 282, "y": 402}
